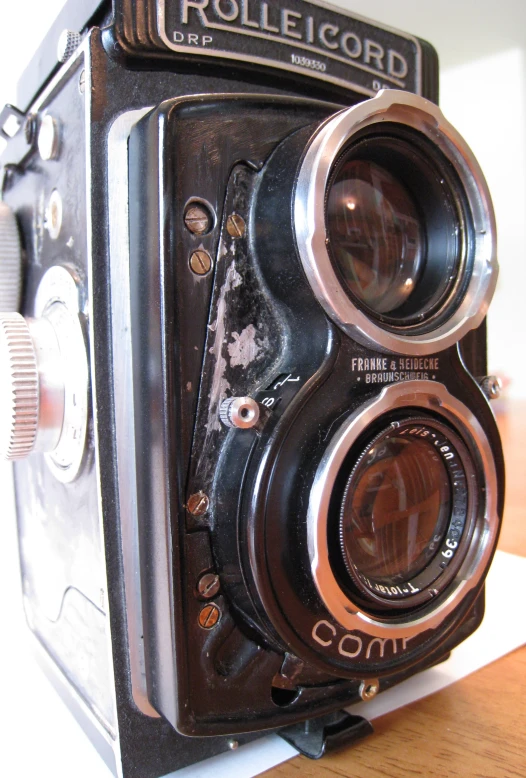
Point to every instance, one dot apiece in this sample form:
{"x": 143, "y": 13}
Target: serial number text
{"x": 305, "y": 62}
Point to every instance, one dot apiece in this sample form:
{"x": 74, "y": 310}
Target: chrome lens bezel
{"x": 430, "y": 396}
{"x": 323, "y": 151}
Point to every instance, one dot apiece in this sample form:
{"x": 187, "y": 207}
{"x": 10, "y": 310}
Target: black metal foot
{"x": 316, "y": 737}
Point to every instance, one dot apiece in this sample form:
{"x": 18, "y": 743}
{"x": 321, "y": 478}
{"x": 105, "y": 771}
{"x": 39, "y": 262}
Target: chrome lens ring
{"x": 334, "y": 136}
{"x": 435, "y": 398}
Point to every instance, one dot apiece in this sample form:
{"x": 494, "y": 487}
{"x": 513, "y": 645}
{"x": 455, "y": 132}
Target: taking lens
{"x": 404, "y": 509}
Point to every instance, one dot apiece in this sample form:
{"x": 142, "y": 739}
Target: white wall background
{"x": 482, "y": 49}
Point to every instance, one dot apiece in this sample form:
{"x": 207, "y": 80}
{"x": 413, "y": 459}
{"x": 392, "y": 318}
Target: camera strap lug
{"x": 11, "y": 121}
{"x": 315, "y": 737}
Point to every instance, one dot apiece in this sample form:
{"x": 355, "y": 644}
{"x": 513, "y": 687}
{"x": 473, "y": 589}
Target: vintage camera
{"x": 245, "y": 268}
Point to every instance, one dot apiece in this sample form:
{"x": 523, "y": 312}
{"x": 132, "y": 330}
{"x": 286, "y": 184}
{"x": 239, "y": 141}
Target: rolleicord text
{"x": 284, "y": 25}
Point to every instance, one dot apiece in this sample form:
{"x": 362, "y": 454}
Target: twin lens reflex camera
{"x": 245, "y": 267}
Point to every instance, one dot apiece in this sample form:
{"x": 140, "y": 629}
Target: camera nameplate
{"x": 360, "y": 56}
{"x": 431, "y": 396}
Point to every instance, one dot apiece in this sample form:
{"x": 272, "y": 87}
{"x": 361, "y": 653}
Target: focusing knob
{"x": 19, "y": 395}
{"x": 44, "y": 379}
{"x": 10, "y": 261}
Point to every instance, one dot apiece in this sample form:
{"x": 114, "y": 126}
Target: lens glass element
{"x": 375, "y": 234}
{"x": 396, "y": 509}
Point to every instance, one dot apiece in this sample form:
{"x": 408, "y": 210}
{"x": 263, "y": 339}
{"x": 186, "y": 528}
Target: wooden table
{"x": 475, "y": 728}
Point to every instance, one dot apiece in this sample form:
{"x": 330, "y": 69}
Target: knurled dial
{"x": 44, "y": 379}
{"x": 10, "y": 260}
{"x": 31, "y": 386}
{"x": 19, "y": 389}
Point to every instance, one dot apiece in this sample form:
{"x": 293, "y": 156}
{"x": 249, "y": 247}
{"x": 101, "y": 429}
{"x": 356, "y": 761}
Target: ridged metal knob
{"x": 68, "y": 42}
{"x": 241, "y": 412}
{"x": 19, "y": 388}
{"x": 10, "y": 261}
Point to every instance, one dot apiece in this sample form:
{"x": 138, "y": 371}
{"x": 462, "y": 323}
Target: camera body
{"x": 210, "y": 388}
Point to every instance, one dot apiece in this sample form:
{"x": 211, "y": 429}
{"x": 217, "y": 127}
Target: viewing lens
{"x": 396, "y": 509}
{"x": 376, "y": 235}
{"x": 394, "y": 228}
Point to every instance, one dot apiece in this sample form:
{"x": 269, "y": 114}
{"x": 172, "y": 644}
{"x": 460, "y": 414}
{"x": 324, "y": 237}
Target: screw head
{"x": 369, "y": 689}
{"x": 200, "y": 262}
{"x": 197, "y": 219}
{"x": 198, "y": 504}
{"x": 48, "y": 138}
{"x": 209, "y": 616}
{"x": 208, "y": 585}
{"x": 235, "y": 225}
{"x": 233, "y": 745}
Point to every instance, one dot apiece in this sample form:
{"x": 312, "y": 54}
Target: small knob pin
{"x": 491, "y": 385}
{"x": 241, "y": 412}
{"x": 68, "y": 43}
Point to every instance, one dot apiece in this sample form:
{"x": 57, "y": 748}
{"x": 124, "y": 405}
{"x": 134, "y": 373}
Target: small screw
{"x": 209, "y": 616}
{"x": 235, "y": 225}
{"x": 233, "y": 744}
{"x": 200, "y": 262}
{"x": 369, "y": 689}
{"x": 208, "y": 585}
{"x": 82, "y": 82}
{"x": 491, "y": 385}
{"x": 198, "y": 504}
{"x": 197, "y": 219}
{"x": 48, "y": 138}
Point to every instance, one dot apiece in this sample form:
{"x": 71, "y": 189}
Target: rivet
{"x": 48, "y": 138}
{"x": 54, "y": 215}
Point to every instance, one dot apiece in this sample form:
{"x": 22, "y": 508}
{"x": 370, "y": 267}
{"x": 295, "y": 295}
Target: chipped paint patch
{"x": 243, "y": 350}
{"x": 220, "y": 385}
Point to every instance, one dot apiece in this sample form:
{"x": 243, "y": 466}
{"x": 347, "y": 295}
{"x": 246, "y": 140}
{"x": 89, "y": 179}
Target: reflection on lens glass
{"x": 375, "y": 235}
{"x": 396, "y": 509}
